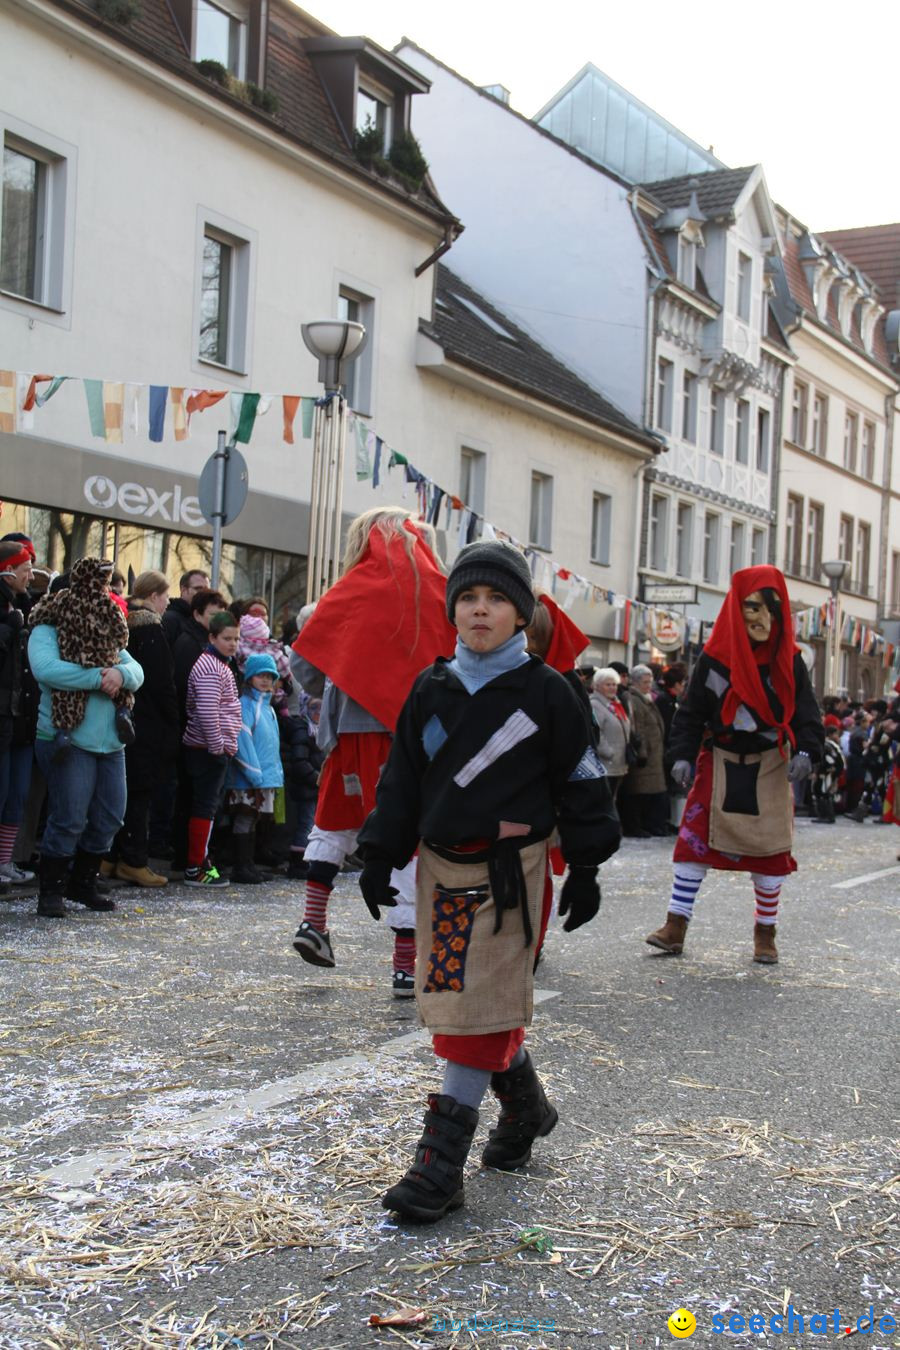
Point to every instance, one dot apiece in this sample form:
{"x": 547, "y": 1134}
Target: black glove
{"x": 375, "y": 884}
{"x": 580, "y": 897}
{"x": 799, "y": 767}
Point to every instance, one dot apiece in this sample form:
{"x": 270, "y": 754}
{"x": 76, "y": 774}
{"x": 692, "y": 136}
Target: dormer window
{"x": 744, "y": 286}
{"x": 687, "y": 262}
{"x": 374, "y": 109}
{"x": 220, "y": 34}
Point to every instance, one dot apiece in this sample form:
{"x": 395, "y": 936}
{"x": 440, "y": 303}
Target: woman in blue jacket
{"x": 255, "y": 772}
{"x": 84, "y": 765}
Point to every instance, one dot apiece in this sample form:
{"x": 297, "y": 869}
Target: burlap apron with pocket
{"x": 469, "y": 979}
{"x": 751, "y": 810}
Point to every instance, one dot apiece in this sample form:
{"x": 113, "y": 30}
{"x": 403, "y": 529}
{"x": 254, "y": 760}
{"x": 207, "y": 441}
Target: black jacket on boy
{"x": 517, "y": 750}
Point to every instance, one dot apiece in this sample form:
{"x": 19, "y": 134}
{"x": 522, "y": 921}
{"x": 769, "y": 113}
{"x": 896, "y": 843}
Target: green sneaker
{"x": 207, "y": 875}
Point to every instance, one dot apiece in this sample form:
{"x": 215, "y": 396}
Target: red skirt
{"x": 496, "y": 1049}
{"x": 692, "y": 844}
{"x": 349, "y": 779}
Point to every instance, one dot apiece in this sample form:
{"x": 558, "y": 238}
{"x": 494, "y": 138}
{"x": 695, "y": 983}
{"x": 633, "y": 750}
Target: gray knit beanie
{"x": 492, "y": 563}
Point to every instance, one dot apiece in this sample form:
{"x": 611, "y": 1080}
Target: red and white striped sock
{"x": 316, "y": 910}
{"x": 7, "y": 842}
{"x": 404, "y": 954}
{"x": 767, "y": 891}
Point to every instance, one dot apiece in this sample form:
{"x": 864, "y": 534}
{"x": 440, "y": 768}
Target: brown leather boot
{"x": 670, "y": 938}
{"x": 764, "y": 949}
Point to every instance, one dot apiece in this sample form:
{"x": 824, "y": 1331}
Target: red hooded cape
{"x": 366, "y": 634}
{"x": 567, "y": 642}
{"x": 730, "y": 644}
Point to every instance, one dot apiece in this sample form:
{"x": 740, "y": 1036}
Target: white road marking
{"x": 87, "y": 1168}
{"x": 861, "y": 881}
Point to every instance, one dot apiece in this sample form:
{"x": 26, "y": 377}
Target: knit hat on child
{"x": 492, "y": 563}
{"x": 261, "y": 663}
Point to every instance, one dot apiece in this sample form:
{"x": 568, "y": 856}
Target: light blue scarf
{"x": 476, "y": 669}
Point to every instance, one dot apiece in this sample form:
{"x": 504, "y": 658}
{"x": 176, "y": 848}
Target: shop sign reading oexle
{"x": 136, "y": 499}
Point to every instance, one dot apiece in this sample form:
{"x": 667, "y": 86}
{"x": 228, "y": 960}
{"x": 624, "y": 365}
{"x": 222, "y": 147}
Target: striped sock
{"x": 405, "y": 951}
{"x": 316, "y": 911}
{"x": 7, "y": 842}
{"x": 767, "y": 891}
{"x": 686, "y": 882}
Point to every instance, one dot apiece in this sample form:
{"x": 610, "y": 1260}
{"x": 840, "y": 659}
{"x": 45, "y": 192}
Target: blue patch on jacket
{"x": 433, "y": 736}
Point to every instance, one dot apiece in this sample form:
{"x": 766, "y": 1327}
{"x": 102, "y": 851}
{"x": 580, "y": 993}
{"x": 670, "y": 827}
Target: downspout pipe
{"x": 451, "y": 234}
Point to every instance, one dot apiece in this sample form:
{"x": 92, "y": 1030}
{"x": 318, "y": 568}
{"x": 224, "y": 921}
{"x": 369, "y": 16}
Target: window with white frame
{"x": 851, "y": 440}
{"x": 868, "y": 450}
{"x": 684, "y": 540}
{"x": 687, "y": 261}
{"x": 815, "y": 522}
{"x": 36, "y": 217}
{"x": 758, "y": 541}
{"x": 220, "y": 34}
{"x": 712, "y": 526}
{"x": 742, "y": 431}
{"x": 820, "y": 424}
{"x": 846, "y": 539}
{"x": 541, "y": 516}
{"x": 763, "y": 439}
{"x": 863, "y": 551}
{"x": 793, "y": 534}
{"x": 665, "y": 379}
{"x": 716, "y": 421}
{"x": 799, "y": 408}
{"x": 374, "y": 109}
{"x": 224, "y": 297}
{"x": 895, "y": 583}
{"x": 359, "y": 308}
{"x": 601, "y": 528}
{"x": 689, "y": 394}
{"x": 659, "y": 532}
{"x": 744, "y": 285}
{"x": 738, "y": 542}
{"x": 472, "y": 467}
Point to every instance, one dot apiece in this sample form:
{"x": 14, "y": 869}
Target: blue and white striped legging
{"x": 689, "y": 877}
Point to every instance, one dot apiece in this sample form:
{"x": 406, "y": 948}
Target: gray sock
{"x": 518, "y": 1058}
{"x": 465, "y": 1085}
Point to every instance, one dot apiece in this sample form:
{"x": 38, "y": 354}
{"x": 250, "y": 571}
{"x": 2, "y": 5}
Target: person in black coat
{"x": 151, "y": 757}
{"x": 192, "y": 641}
{"x": 177, "y": 617}
{"x": 302, "y": 765}
{"x": 16, "y": 558}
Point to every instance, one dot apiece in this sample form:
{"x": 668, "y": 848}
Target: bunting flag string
{"x": 108, "y": 401}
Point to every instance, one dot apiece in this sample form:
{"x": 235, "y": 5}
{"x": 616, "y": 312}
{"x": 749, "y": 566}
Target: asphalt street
{"x": 197, "y": 1126}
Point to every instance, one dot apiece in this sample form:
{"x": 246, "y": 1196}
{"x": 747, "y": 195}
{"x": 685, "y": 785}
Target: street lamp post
{"x": 334, "y": 343}
{"x": 835, "y": 571}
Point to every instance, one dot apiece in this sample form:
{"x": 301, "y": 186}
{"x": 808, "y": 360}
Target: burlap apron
{"x": 751, "y": 811}
{"x": 469, "y": 979}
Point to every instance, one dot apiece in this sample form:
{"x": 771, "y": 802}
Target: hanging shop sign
{"x": 665, "y": 630}
{"x": 669, "y": 593}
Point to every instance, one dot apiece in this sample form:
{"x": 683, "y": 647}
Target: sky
{"x": 804, "y": 89}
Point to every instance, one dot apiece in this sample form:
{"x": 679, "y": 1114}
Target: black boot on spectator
{"x": 243, "y": 873}
{"x": 298, "y": 867}
{"x": 54, "y": 876}
{"x": 82, "y": 887}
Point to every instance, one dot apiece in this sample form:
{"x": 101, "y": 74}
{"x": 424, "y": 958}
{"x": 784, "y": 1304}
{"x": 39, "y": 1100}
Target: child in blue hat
{"x": 255, "y": 772}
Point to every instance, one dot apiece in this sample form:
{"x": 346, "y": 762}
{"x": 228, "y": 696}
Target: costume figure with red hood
{"x": 750, "y": 723}
{"x": 360, "y": 650}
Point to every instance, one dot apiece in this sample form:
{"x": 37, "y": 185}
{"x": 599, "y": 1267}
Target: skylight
{"x": 486, "y": 319}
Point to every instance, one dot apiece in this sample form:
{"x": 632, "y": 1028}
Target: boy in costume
{"x": 750, "y": 721}
{"x": 491, "y": 755}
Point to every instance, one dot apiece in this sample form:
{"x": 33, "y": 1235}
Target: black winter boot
{"x": 434, "y": 1184}
{"x": 525, "y": 1115}
{"x": 82, "y": 887}
{"x": 243, "y": 873}
{"x": 298, "y": 867}
{"x": 54, "y": 874}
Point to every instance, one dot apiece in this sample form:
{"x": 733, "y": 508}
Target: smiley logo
{"x": 682, "y": 1323}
